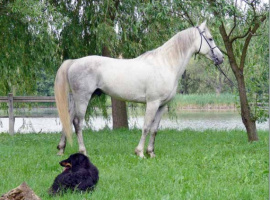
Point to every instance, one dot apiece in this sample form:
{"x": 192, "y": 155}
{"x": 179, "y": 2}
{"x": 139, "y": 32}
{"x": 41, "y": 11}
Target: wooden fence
{"x": 10, "y": 100}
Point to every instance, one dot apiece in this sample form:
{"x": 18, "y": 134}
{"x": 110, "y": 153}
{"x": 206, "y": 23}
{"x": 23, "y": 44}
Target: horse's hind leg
{"x": 81, "y": 100}
{"x": 153, "y": 131}
{"x": 78, "y": 124}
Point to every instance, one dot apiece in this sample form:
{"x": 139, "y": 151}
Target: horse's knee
{"x": 146, "y": 129}
{"x": 153, "y": 131}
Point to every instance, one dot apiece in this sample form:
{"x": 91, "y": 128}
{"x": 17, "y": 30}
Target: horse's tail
{"x": 61, "y": 92}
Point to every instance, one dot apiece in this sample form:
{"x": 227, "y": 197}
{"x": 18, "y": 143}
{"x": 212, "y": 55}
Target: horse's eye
{"x": 210, "y": 39}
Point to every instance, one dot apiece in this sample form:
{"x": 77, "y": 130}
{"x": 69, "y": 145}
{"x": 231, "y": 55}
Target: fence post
{"x": 11, "y": 114}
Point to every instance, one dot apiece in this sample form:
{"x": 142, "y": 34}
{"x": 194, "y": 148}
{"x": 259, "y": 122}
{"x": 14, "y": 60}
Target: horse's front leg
{"x": 153, "y": 131}
{"x": 151, "y": 110}
{"x": 62, "y": 144}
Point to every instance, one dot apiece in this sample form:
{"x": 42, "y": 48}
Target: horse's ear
{"x": 203, "y": 25}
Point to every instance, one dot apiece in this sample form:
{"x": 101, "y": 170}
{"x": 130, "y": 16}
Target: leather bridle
{"x": 211, "y": 48}
{"x": 214, "y": 56}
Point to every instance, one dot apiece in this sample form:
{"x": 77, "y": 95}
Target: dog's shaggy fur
{"x": 79, "y": 174}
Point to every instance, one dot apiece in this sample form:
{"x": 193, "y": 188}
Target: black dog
{"x": 79, "y": 174}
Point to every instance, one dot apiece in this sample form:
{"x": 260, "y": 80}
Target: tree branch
{"x": 234, "y": 20}
{"x": 223, "y": 51}
{"x": 240, "y": 36}
{"x": 247, "y": 41}
{"x": 186, "y": 15}
{"x": 227, "y": 42}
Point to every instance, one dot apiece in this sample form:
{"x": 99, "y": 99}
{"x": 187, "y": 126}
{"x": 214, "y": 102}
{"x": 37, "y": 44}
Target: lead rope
{"x": 231, "y": 83}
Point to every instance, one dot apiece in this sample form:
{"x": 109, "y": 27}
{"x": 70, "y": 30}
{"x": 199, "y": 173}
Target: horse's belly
{"x": 124, "y": 90}
{"x": 127, "y": 97}
{"x": 124, "y": 80}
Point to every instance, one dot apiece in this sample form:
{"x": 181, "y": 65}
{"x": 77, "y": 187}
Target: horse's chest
{"x": 169, "y": 95}
{"x": 163, "y": 92}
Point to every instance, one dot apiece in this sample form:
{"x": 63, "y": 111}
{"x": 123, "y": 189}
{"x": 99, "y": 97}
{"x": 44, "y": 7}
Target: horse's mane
{"x": 173, "y": 48}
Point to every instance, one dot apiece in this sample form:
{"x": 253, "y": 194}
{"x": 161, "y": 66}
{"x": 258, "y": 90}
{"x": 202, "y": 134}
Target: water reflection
{"x": 197, "y": 120}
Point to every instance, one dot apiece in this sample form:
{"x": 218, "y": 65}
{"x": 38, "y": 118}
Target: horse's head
{"x": 205, "y": 44}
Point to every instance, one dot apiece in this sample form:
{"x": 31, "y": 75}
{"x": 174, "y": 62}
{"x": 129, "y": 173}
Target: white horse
{"x": 151, "y": 78}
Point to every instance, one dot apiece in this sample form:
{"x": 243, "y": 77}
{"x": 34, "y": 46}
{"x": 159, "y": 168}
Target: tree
{"x": 238, "y": 23}
{"x": 119, "y": 109}
{"x": 27, "y": 45}
{"x": 241, "y": 32}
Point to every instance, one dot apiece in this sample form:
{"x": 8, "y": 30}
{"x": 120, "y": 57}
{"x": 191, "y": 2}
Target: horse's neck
{"x": 176, "y": 53}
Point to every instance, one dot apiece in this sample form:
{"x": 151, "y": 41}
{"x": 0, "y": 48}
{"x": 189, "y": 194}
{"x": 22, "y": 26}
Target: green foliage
{"x": 257, "y": 73}
{"x": 106, "y": 32}
{"x": 38, "y": 35}
{"x": 26, "y": 46}
{"x": 45, "y": 83}
{"x": 98, "y": 107}
{"x": 201, "y": 100}
{"x": 247, "y": 57}
{"x": 201, "y": 76}
{"x": 185, "y": 166}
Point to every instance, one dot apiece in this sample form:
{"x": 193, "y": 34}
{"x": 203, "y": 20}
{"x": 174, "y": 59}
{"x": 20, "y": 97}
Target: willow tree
{"x": 28, "y": 46}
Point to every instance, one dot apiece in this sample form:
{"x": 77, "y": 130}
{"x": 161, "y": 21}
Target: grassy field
{"x": 204, "y": 100}
{"x": 189, "y": 165}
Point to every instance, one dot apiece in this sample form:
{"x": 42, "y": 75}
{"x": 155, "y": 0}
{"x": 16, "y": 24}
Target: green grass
{"x": 201, "y": 100}
{"x": 189, "y": 165}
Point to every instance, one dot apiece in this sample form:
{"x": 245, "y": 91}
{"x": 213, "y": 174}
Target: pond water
{"x": 196, "y": 120}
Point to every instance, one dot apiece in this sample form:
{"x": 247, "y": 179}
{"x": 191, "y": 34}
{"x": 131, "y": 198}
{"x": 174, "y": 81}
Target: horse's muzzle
{"x": 217, "y": 60}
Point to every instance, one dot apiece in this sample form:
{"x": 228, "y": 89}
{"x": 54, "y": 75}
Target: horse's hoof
{"x": 139, "y": 153}
{"x": 151, "y": 154}
{"x": 83, "y": 152}
{"x": 61, "y": 149}
{"x": 60, "y": 153}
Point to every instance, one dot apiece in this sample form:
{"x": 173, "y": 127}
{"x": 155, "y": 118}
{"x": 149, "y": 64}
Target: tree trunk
{"x": 119, "y": 114}
{"x": 249, "y": 123}
{"x": 119, "y": 109}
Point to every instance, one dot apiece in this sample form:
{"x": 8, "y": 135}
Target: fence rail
{"x": 10, "y": 100}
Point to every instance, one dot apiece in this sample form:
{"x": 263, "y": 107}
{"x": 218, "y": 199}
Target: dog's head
{"x": 75, "y": 161}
